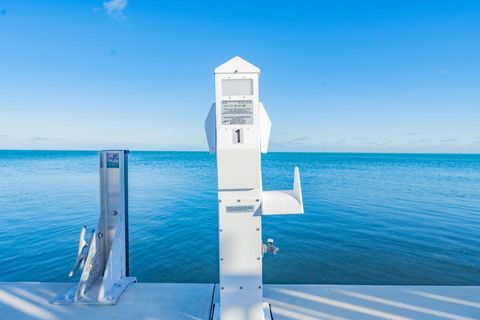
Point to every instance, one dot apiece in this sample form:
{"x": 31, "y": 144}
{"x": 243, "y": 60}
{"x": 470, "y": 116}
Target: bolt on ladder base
{"x": 267, "y": 312}
{"x": 90, "y": 298}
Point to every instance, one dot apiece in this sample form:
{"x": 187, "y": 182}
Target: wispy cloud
{"x": 292, "y": 143}
{"x": 43, "y": 139}
{"x": 403, "y": 142}
{"x": 449, "y": 140}
{"x": 115, "y": 7}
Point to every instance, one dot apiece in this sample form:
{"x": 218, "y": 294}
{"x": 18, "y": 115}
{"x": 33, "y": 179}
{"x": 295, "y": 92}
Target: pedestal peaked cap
{"x": 237, "y": 65}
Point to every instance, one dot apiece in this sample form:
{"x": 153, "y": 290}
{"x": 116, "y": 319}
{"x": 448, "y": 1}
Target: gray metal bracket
{"x": 103, "y": 259}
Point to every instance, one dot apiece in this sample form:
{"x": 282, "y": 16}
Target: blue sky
{"x": 348, "y": 76}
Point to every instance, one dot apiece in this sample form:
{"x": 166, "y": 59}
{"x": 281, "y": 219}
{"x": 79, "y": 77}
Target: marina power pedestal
{"x": 238, "y": 130}
{"x": 103, "y": 258}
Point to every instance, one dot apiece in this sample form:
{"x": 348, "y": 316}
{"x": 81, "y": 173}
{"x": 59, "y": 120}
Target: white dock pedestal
{"x": 238, "y": 131}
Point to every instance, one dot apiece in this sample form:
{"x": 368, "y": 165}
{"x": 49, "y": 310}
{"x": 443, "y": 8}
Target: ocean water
{"x": 369, "y": 218}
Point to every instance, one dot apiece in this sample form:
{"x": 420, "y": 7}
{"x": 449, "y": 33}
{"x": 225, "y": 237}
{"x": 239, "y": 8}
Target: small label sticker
{"x": 236, "y": 112}
{"x": 240, "y": 209}
{"x": 113, "y": 160}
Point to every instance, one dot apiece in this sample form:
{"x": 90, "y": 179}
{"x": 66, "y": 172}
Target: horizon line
{"x": 206, "y": 151}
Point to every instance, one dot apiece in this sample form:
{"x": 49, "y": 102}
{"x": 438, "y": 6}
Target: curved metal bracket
{"x": 82, "y": 251}
{"x": 284, "y": 201}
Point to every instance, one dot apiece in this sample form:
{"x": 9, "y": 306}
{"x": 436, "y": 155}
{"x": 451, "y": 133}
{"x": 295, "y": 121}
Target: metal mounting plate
{"x": 267, "y": 311}
{"x": 112, "y": 296}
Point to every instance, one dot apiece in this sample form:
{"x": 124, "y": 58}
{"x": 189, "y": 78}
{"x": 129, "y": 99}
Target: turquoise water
{"x": 369, "y": 218}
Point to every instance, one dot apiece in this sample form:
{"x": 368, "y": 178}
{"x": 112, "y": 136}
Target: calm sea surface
{"x": 369, "y": 218}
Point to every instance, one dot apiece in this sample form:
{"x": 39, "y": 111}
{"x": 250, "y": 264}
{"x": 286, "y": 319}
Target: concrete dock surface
{"x": 172, "y": 301}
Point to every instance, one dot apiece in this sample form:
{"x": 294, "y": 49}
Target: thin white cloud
{"x": 115, "y": 6}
